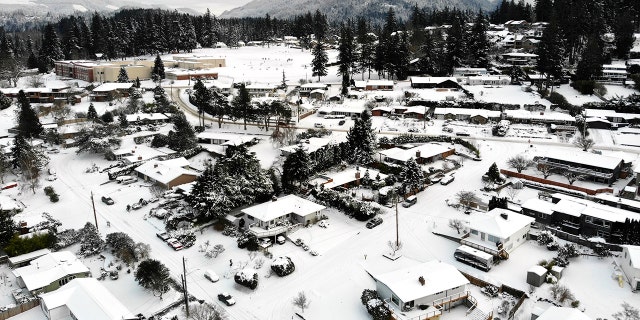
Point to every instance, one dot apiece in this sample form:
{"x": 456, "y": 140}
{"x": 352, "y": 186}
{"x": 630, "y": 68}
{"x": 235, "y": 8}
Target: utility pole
{"x": 95, "y": 217}
{"x": 184, "y": 283}
{"x": 397, "y": 230}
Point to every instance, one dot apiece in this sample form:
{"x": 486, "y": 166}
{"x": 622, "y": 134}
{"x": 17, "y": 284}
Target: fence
{"x": 555, "y": 183}
{"x": 19, "y": 309}
{"x": 582, "y": 241}
{"x": 502, "y": 288}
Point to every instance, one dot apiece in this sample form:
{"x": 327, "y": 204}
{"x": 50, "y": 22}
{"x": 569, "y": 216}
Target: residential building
{"x": 498, "y": 232}
{"x": 167, "y": 173}
{"x": 479, "y": 116}
{"x": 432, "y": 286}
{"x": 24, "y": 259}
{"x": 348, "y": 178}
{"x": 306, "y": 89}
{"x": 556, "y": 313}
{"x": 434, "y": 82}
{"x": 592, "y": 166}
{"x": 629, "y": 262}
{"x": 310, "y": 145}
{"x": 281, "y": 215}
{"x": 613, "y": 73}
{"x": 488, "y": 80}
{"x": 50, "y": 272}
{"x": 110, "y": 91}
{"x": 147, "y": 118}
{"x": 519, "y": 58}
{"x": 425, "y": 153}
{"x": 83, "y": 299}
{"x": 139, "y": 153}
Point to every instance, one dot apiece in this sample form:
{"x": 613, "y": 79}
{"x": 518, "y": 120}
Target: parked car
{"x": 211, "y": 276}
{"x": 136, "y": 206}
{"x": 408, "y": 202}
{"x": 107, "y": 200}
{"x": 341, "y": 122}
{"x": 163, "y": 236}
{"x": 266, "y": 242}
{"x": 280, "y": 240}
{"x": 318, "y": 125}
{"x": 374, "y": 222}
{"x": 175, "y": 244}
{"x": 446, "y": 180}
{"x": 226, "y": 298}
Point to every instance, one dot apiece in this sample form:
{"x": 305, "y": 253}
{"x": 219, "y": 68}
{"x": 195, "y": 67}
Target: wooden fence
{"x": 582, "y": 241}
{"x": 555, "y": 183}
{"x": 519, "y": 294}
{"x": 19, "y": 309}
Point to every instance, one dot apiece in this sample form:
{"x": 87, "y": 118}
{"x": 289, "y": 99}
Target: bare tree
{"x": 36, "y": 81}
{"x": 628, "y": 312}
{"x": 466, "y": 198}
{"x": 512, "y": 192}
{"x": 583, "y": 142}
{"x": 301, "y": 301}
{"x": 157, "y": 190}
{"x": 206, "y": 311}
{"x": 519, "y": 163}
{"x": 573, "y": 177}
{"x": 394, "y": 246}
{"x": 456, "y": 224}
{"x": 545, "y": 169}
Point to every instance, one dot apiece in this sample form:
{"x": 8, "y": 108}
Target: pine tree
{"x": 5, "y": 102}
{"x": 123, "y": 77}
{"x": 478, "y": 43}
{"x": 90, "y": 241}
{"x": 122, "y": 120}
{"x": 551, "y": 52}
{"x": 456, "y": 49}
{"x": 296, "y": 169}
{"x": 361, "y": 140}
{"x": 412, "y": 177}
{"x": 92, "y": 114}
{"x": 107, "y": 117}
{"x": 366, "y": 52}
{"x": 7, "y": 228}
{"x": 201, "y": 99}
{"x": 182, "y": 137}
{"x": 29, "y": 125}
{"x": 623, "y": 32}
{"x": 50, "y": 50}
{"x": 319, "y": 62}
{"x": 157, "y": 73}
{"x": 543, "y": 10}
{"x": 242, "y": 106}
{"x": 590, "y": 66}
{"x": 346, "y": 56}
{"x": 494, "y": 173}
{"x": 153, "y": 276}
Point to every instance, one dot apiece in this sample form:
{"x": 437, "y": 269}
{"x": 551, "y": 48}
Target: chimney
{"x": 418, "y": 154}
{"x": 421, "y": 280}
{"x": 139, "y": 158}
{"x": 504, "y": 216}
{"x": 155, "y": 165}
{"x": 357, "y": 175}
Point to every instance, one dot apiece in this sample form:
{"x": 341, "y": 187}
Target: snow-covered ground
{"x": 334, "y": 279}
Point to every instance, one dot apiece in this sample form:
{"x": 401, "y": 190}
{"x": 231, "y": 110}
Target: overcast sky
{"x": 216, "y": 6}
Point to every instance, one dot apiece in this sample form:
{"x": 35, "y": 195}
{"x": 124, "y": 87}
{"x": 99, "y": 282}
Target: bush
{"x": 375, "y": 306}
{"x": 283, "y": 266}
{"x": 48, "y": 190}
{"x": 247, "y": 278}
{"x": 54, "y": 197}
{"x": 584, "y": 86}
{"x": 360, "y": 210}
{"x": 159, "y": 140}
{"x": 558, "y": 99}
{"x": 248, "y": 240}
{"x": 18, "y": 246}
{"x": 545, "y": 237}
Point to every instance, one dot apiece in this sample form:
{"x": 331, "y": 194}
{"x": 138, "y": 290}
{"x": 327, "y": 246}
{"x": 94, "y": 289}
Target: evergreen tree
{"x": 296, "y": 169}
{"x": 623, "y": 32}
{"x": 543, "y": 10}
{"x": 5, "y": 102}
{"x": 365, "y": 48}
{"x": 154, "y": 276}
{"x": 478, "y": 42}
{"x": 50, "y": 50}
{"x": 346, "y": 56}
{"x": 8, "y": 228}
{"x": 90, "y": 241}
{"x": 494, "y": 173}
{"x": 107, "y": 117}
{"x": 412, "y": 177}
{"x": 319, "y": 62}
{"x": 590, "y": 65}
{"x": 123, "y": 77}
{"x": 456, "y": 48}
{"x": 361, "y": 140}
{"x": 182, "y": 137}
{"x": 551, "y": 52}
{"x": 29, "y": 125}
{"x": 319, "y": 26}
{"x": 157, "y": 73}
{"x": 92, "y": 114}
{"x": 202, "y": 98}
{"x": 242, "y": 106}
{"x": 122, "y": 120}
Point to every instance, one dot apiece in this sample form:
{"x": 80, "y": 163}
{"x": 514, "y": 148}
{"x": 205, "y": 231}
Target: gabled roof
{"x": 434, "y": 80}
{"x": 538, "y": 205}
{"x": 87, "y": 299}
{"x": 585, "y": 158}
{"x": 282, "y": 206}
{"x": 438, "y": 276}
{"x": 49, "y": 268}
{"x": 493, "y": 223}
{"x": 165, "y": 171}
{"x": 634, "y": 255}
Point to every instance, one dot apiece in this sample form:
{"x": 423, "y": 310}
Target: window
{"x": 474, "y": 232}
{"x": 395, "y": 300}
{"x": 625, "y": 254}
{"x": 541, "y": 215}
{"x": 492, "y": 238}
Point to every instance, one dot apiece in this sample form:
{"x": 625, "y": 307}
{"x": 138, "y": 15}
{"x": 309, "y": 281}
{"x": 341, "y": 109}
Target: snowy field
{"x": 348, "y": 251}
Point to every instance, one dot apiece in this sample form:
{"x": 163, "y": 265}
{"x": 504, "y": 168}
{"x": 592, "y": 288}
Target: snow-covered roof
{"x": 539, "y": 270}
{"x": 8, "y": 204}
{"x": 106, "y": 87}
{"x": 585, "y": 158}
{"x": 602, "y": 113}
{"x": 577, "y": 206}
{"x": 146, "y": 116}
{"x": 432, "y": 80}
{"x": 29, "y": 219}
{"x": 569, "y": 208}
{"x": 426, "y": 150}
{"x": 282, "y": 206}
{"x": 438, "y": 276}
{"x": 470, "y": 112}
{"x": 87, "y": 299}
{"x": 165, "y": 171}
{"x": 564, "y": 313}
{"x": 351, "y": 108}
{"x": 313, "y": 85}
{"x": 349, "y": 175}
{"x": 309, "y": 145}
{"x": 28, "y": 256}
{"x": 634, "y": 255}
{"x": 379, "y": 83}
{"x": 49, "y": 268}
{"x": 539, "y": 205}
{"x": 140, "y": 153}
{"x": 537, "y": 115}
{"x": 493, "y": 223}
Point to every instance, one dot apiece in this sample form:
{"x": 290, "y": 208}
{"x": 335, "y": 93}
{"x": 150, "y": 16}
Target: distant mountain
{"x": 64, "y": 7}
{"x": 341, "y": 9}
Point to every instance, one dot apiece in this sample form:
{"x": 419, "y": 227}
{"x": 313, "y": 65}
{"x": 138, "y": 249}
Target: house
{"x": 147, "y": 118}
{"x": 555, "y": 313}
{"x": 630, "y": 264}
{"x": 426, "y": 153}
{"x": 516, "y": 25}
{"x": 433, "y": 284}
{"x": 461, "y": 73}
{"x": 498, "y": 231}
{"x": 596, "y": 167}
{"x": 83, "y": 299}
{"x": 384, "y": 85}
{"x": 480, "y": 116}
{"x": 24, "y": 259}
{"x": 348, "y": 178}
{"x": 280, "y": 215}
{"x": 613, "y": 73}
{"x": 519, "y": 59}
{"x": 434, "y": 82}
{"x": 539, "y": 209}
{"x": 306, "y": 89}
{"x": 310, "y": 145}
{"x": 139, "y": 153}
{"x": 538, "y": 116}
{"x": 488, "y": 80}
{"x": 168, "y": 173}
{"x": 50, "y": 272}
{"x": 264, "y": 90}
{"x": 110, "y": 91}
{"x": 8, "y": 205}
{"x": 347, "y": 110}
{"x": 480, "y": 201}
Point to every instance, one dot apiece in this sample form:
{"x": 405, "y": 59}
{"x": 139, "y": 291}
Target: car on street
{"x": 175, "y": 244}
{"x": 163, "y": 236}
{"x": 341, "y": 122}
{"x": 107, "y": 200}
{"x": 226, "y": 299}
{"x": 374, "y": 222}
{"x": 318, "y": 125}
{"x": 281, "y": 240}
{"x": 211, "y": 276}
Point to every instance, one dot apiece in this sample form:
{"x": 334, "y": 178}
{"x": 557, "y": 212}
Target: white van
{"x": 446, "y": 180}
{"x": 211, "y": 276}
{"x": 408, "y": 202}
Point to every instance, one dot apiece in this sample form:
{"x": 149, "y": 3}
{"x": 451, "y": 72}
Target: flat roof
{"x": 585, "y": 158}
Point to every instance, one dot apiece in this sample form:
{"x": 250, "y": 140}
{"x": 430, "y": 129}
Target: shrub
{"x": 18, "y": 245}
{"x": 545, "y": 237}
{"x": 248, "y": 240}
{"x": 558, "y": 99}
{"x": 48, "y": 190}
{"x": 247, "y": 278}
{"x": 375, "y": 306}
{"x": 54, "y": 197}
{"x": 584, "y": 86}
{"x": 283, "y": 266}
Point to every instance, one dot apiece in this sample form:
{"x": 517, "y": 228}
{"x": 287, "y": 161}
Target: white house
{"x": 488, "y": 80}
{"x": 168, "y": 173}
{"x": 83, "y": 299}
{"x": 50, "y": 272}
{"x": 278, "y": 215}
{"x": 630, "y": 265}
{"x": 432, "y": 284}
{"x": 498, "y": 231}
{"x": 555, "y": 313}
{"x": 347, "y": 178}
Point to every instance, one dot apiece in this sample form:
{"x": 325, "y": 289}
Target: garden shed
{"x": 557, "y": 271}
{"x": 536, "y": 275}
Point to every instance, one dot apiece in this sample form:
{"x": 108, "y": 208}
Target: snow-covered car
{"x": 154, "y": 199}
{"x": 136, "y": 206}
{"x": 175, "y": 244}
{"x": 163, "y": 236}
{"x": 313, "y": 253}
{"x": 211, "y": 276}
{"x": 266, "y": 242}
{"x": 341, "y": 122}
{"x": 280, "y": 240}
{"x": 374, "y": 222}
{"x": 52, "y": 178}
{"x": 226, "y": 298}
{"x": 107, "y": 200}
{"x": 318, "y": 125}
